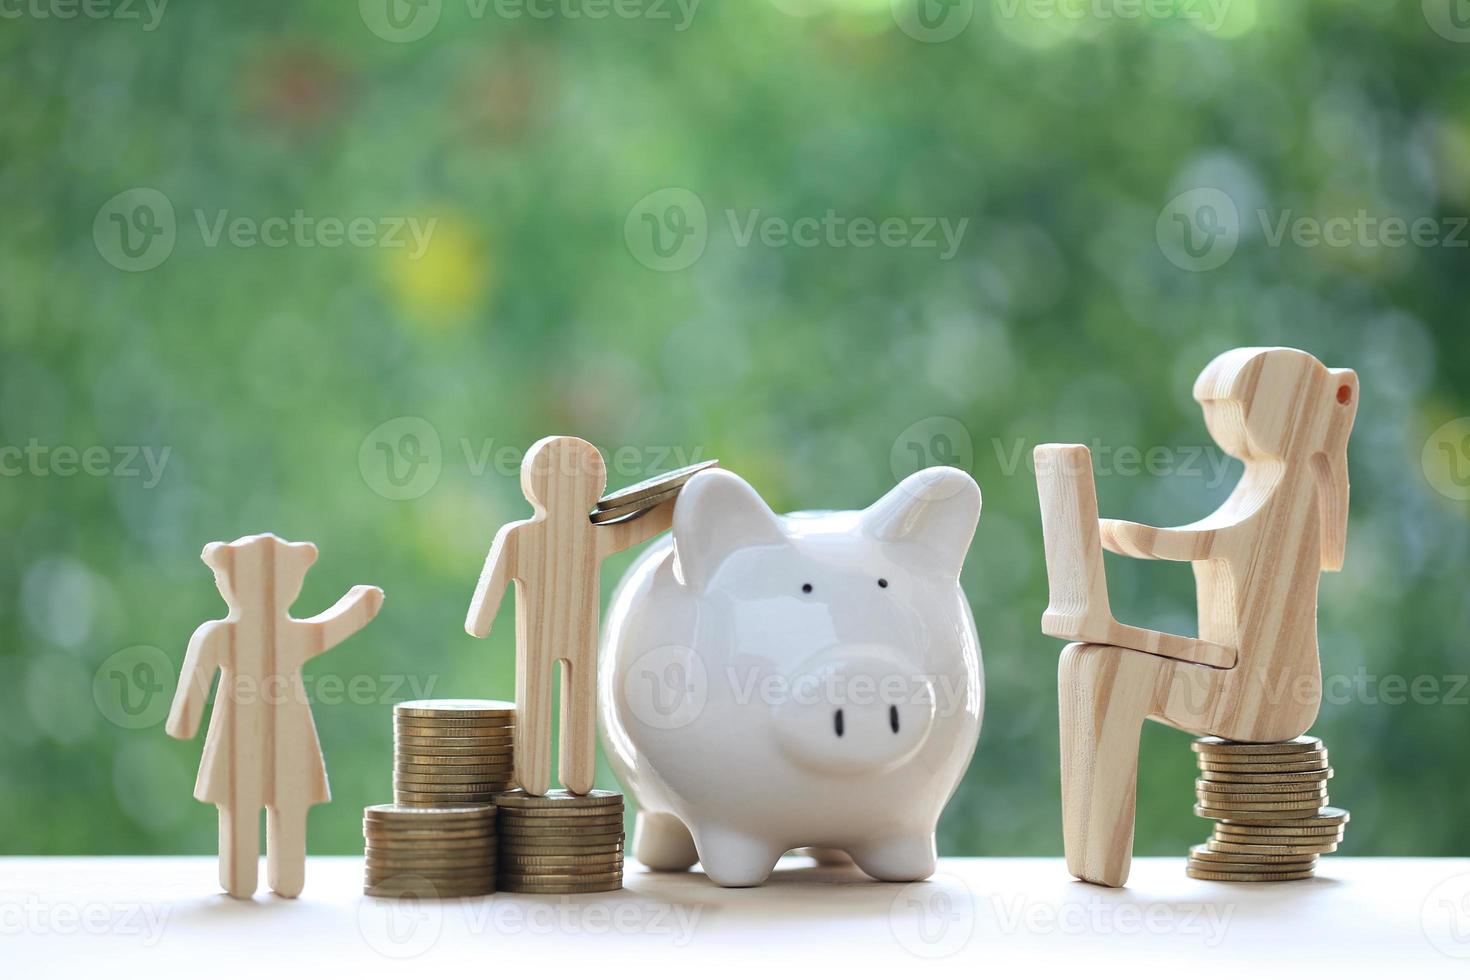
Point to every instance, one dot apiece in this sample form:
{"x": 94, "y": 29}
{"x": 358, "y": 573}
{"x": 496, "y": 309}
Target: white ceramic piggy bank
{"x": 812, "y": 680}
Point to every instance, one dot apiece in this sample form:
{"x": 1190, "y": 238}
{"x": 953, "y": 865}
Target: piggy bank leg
{"x": 733, "y": 859}
{"x": 663, "y": 843}
{"x": 908, "y": 858}
{"x": 827, "y": 857}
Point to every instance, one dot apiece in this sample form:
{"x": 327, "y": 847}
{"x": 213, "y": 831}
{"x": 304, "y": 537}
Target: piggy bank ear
{"x": 935, "y": 508}
{"x": 716, "y": 514}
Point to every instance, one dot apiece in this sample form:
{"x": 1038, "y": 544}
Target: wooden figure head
{"x": 260, "y": 558}
{"x": 1276, "y": 409}
{"x": 562, "y": 477}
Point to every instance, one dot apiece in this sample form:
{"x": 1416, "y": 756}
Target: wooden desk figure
{"x": 553, "y": 557}
{"x": 262, "y": 749}
{"x": 1253, "y": 674}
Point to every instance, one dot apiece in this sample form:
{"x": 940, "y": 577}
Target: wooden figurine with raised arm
{"x": 262, "y": 749}
{"x": 1252, "y": 674}
{"x": 554, "y": 558}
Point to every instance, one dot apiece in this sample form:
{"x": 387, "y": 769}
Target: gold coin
{"x": 441, "y": 724}
{"x": 1256, "y": 791}
{"x": 441, "y": 879}
{"x": 1252, "y": 868}
{"x": 1227, "y": 846}
{"x": 512, "y": 841}
{"x": 558, "y": 878}
{"x": 449, "y": 865}
{"x": 1256, "y": 794}
{"x": 1217, "y": 813}
{"x": 561, "y": 851}
{"x": 1206, "y": 852}
{"x": 448, "y": 747}
{"x": 557, "y": 799}
{"x": 400, "y": 815}
{"x": 426, "y": 758}
{"x": 563, "y": 813}
{"x": 569, "y": 889}
{"x": 563, "y": 865}
{"x": 1268, "y": 836}
{"x": 478, "y": 769}
{"x": 567, "y": 825}
{"x": 432, "y": 799}
{"x": 1313, "y": 844}
{"x": 401, "y": 729}
{"x": 431, "y": 785}
{"x": 1304, "y": 796}
{"x": 1266, "y": 778}
{"x": 1220, "y": 746}
{"x": 429, "y": 846}
{"x": 448, "y": 778}
{"x": 645, "y": 493}
{"x": 453, "y": 708}
{"x": 1327, "y": 816}
{"x": 456, "y": 740}
{"x": 1265, "y": 806}
{"x": 1209, "y": 875}
{"x": 1307, "y": 764}
{"x": 426, "y": 890}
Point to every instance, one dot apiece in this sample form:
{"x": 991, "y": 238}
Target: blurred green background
{"x": 217, "y": 320}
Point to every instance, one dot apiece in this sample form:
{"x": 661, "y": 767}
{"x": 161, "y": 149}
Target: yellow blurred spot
{"x": 440, "y": 277}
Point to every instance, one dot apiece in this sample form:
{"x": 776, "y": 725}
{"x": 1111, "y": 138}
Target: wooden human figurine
{"x": 262, "y": 749}
{"x": 1253, "y": 673}
{"x": 554, "y": 558}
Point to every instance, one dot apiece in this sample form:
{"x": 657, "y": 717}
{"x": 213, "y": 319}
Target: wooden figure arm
{"x": 348, "y": 615}
{"x": 200, "y": 662}
{"x": 624, "y": 534}
{"x": 1165, "y": 543}
{"x": 494, "y": 579}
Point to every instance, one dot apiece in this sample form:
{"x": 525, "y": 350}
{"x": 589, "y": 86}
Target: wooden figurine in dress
{"x": 262, "y": 749}
{"x": 554, "y": 558}
{"x": 1253, "y": 674}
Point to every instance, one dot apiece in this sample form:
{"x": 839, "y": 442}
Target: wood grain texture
{"x": 262, "y": 748}
{"x": 553, "y": 558}
{"x": 1253, "y": 674}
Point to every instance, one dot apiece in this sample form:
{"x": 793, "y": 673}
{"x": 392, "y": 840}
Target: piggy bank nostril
{"x": 837, "y": 723}
{"x": 893, "y": 718}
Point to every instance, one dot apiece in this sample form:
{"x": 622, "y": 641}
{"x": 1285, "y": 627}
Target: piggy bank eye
{"x": 882, "y": 583}
{"x": 806, "y": 587}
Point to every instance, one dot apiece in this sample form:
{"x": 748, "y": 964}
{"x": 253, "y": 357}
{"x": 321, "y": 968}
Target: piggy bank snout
{"x": 855, "y": 714}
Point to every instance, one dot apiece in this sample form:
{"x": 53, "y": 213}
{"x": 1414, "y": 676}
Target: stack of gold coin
{"x": 419, "y": 852}
{"x": 451, "y": 753}
{"x": 1269, "y": 804}
{"x": 560, "y": 844}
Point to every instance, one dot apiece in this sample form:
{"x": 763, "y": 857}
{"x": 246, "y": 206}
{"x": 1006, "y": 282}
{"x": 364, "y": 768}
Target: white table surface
{"x": 156, "y": 917}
